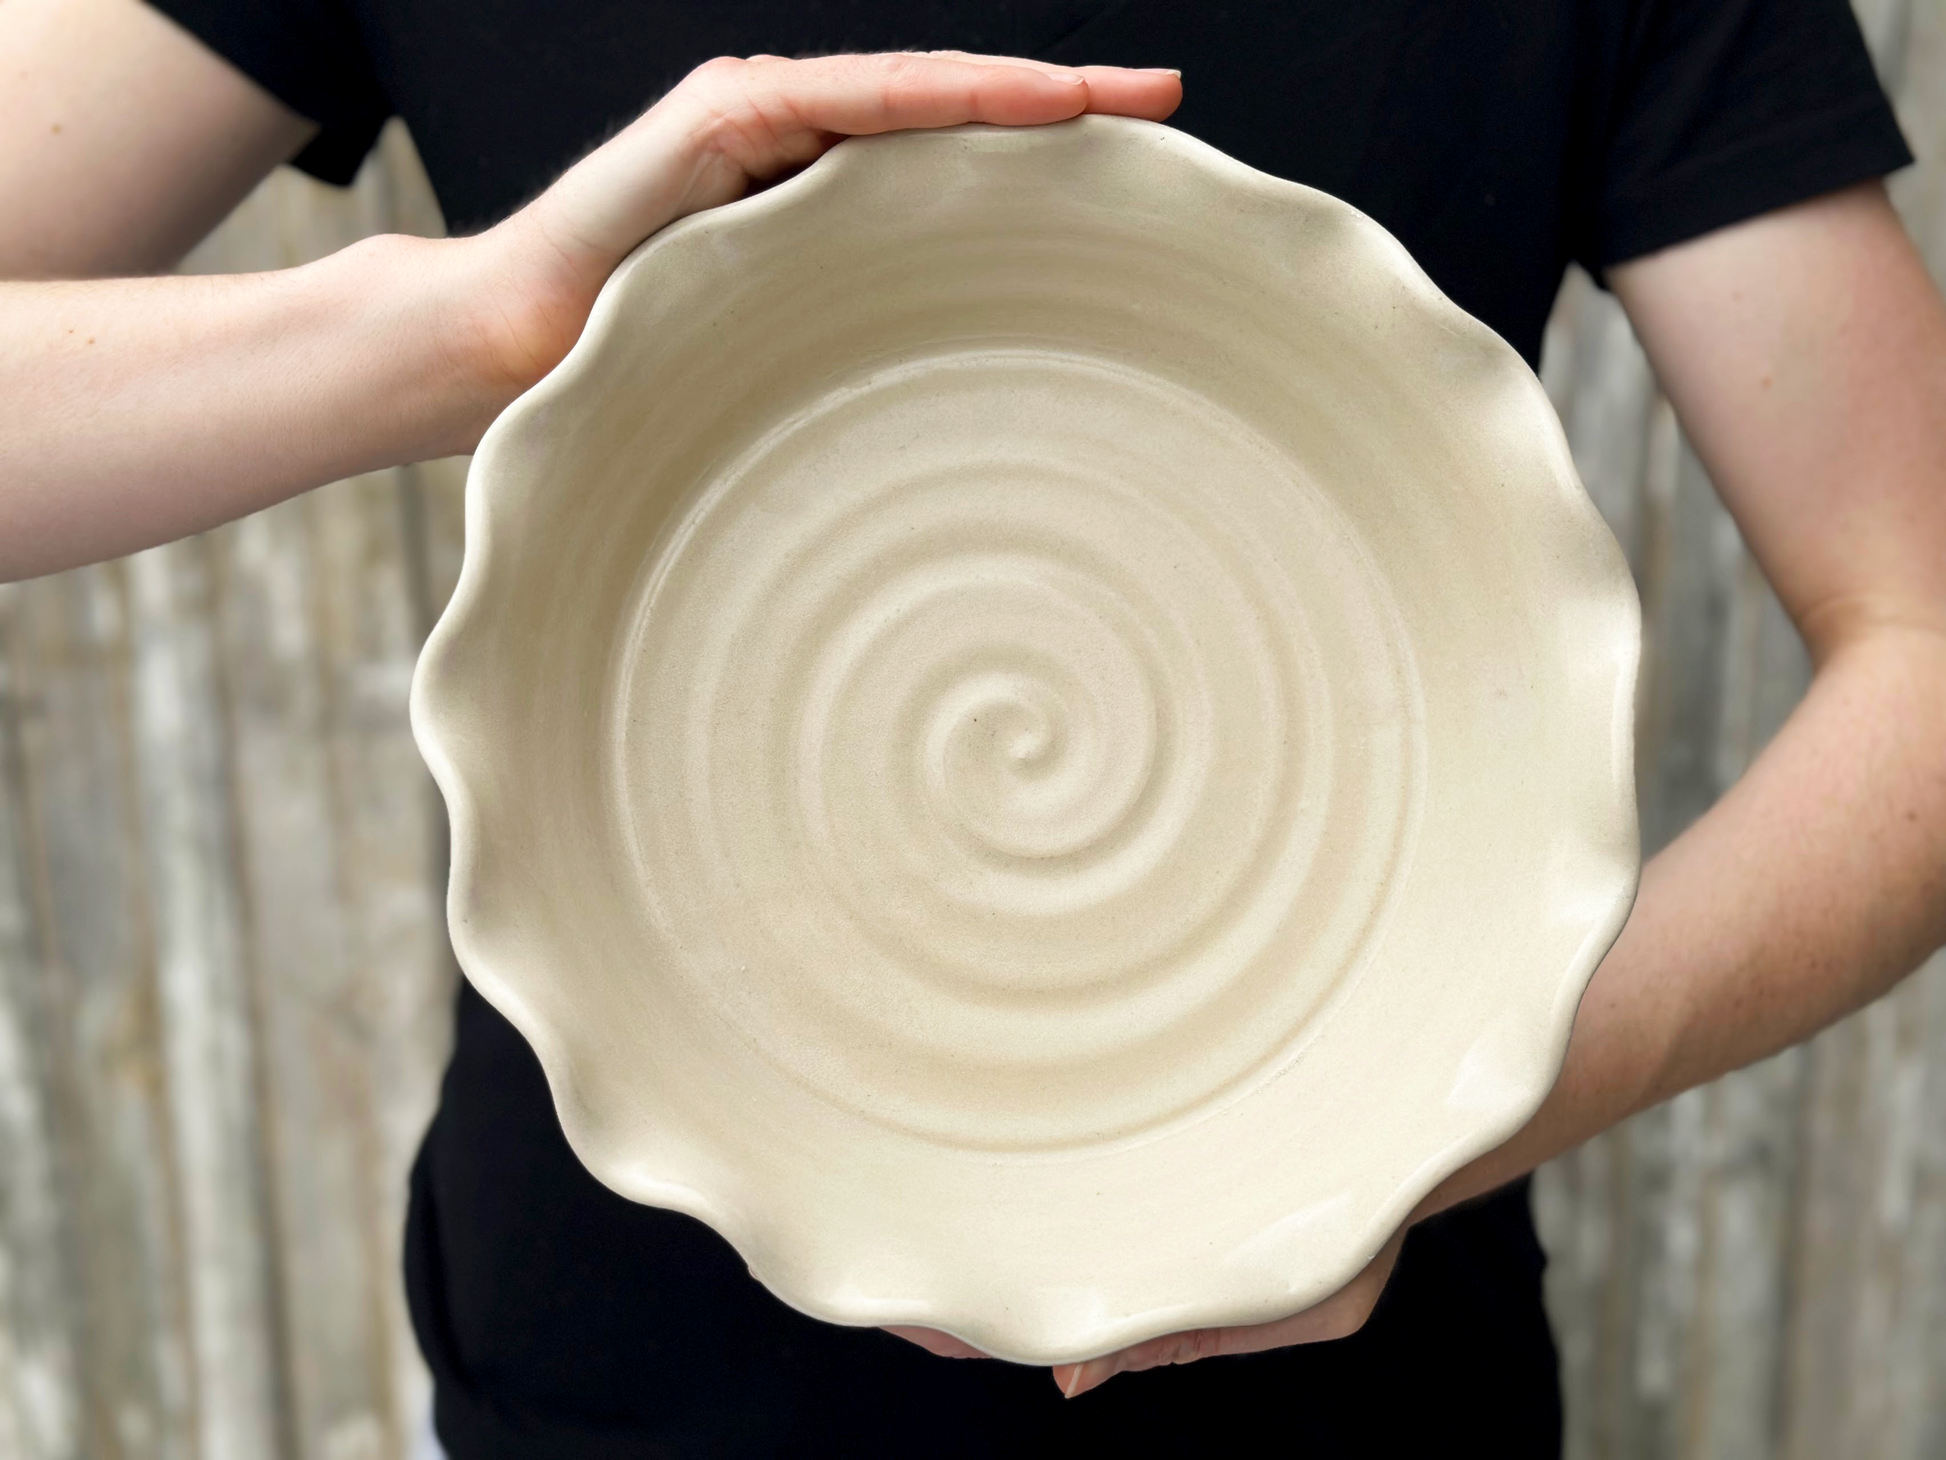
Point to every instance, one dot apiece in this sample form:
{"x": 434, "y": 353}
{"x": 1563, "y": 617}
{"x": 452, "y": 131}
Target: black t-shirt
{"x": 1498, "y": 139}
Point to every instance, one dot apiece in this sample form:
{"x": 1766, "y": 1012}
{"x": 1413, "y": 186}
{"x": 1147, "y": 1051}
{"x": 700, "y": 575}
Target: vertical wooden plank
{"x": 392, "y": 845}
{"x": 320, "y": 623}
{"x": 322, "y": 1102}
{"x": 1887, "y": 26}
{"x": 224, "y": 986}
{"x": 39, "y": 1394}
{"x": 1920, "y": 192}
{"x": 1760, "y": 1267}
{"x": 209, "y": 1007}
{"x": 67, "y": 652}
{"x": 1870, "y": 1279}
{"x": 325, "y": 602}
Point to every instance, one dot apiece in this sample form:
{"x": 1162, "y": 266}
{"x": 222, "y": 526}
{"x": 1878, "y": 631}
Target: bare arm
{"x": 1806, "y": 355}
{"x": 1805, "y": 352}
{"x": 133, "y": 411}
{"x": 122, "y": 139}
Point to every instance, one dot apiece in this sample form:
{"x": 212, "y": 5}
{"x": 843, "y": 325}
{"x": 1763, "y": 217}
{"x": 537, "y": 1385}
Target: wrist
{"x": 518, "y": 295}
{"x": 418, "y": 354}
{"x": 496, "y": 311}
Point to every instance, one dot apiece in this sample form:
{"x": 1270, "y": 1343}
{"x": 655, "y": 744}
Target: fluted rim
{"x": 829, "y": 1273}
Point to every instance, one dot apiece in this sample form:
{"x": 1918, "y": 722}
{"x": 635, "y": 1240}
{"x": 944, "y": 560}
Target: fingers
{"x": 935, "y": 1342}
{"x": 1339, "y": 1316}
{"x": 763, "y": 111}
{"x": 1173, "y": 1348}
{"x": 861, "y": 94}
{"x": 734, "y": 123}
{"x": 1152, "y": 93}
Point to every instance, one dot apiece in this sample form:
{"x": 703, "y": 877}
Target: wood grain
{"x": 224, "y": 979}
{"x": 1759, "y": 1267}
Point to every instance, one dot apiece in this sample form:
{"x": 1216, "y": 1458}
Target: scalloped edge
{"x": 444, "y": 758}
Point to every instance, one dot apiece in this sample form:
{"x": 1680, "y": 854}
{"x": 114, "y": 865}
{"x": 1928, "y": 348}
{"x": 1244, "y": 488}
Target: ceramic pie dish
{"x": 1037, "y": 730}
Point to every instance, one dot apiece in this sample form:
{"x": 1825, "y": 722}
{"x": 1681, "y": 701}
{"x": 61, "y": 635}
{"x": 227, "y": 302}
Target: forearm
{"x": 1811, "y": 888}
{"x": 134, "y": 411}
{"x": 139, "y": 410}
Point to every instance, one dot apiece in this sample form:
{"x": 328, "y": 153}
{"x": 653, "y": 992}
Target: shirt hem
{"x": 1818, "y": 155}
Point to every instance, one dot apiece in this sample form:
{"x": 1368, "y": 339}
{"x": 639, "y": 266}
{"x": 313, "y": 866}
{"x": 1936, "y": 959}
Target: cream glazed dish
{"x": 1038, "y": 731}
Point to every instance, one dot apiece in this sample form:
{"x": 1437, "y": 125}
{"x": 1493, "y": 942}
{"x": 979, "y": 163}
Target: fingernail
{"x": 1162, "y": 71}
{"x": 1090, "y": 1375}
{"x": 1068, "y": 78}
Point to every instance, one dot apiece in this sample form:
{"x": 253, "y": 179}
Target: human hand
{"x": 1338, "y": 1316}
{"x": 728, "y": 126}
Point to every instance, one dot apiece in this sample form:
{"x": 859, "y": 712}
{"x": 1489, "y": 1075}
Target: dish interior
{"x": 1039, "y": 692}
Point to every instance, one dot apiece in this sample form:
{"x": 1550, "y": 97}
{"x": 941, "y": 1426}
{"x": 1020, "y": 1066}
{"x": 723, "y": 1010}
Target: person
{"x": 1714, "y": 162}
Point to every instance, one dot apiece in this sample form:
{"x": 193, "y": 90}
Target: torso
{"x": 1454, "y": 124}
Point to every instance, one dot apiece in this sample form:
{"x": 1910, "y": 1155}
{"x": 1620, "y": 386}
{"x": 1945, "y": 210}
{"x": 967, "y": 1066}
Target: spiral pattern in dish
{"x": 950, "y": 722}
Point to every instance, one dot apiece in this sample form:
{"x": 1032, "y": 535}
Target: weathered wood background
{"x": 224, "y": 981}
{"x": 1758, "y": 1268}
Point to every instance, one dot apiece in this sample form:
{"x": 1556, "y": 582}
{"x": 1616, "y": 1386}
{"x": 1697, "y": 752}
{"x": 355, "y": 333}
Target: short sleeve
{"x": 1724, "y": 109}
{"x": 307, "y": 54}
